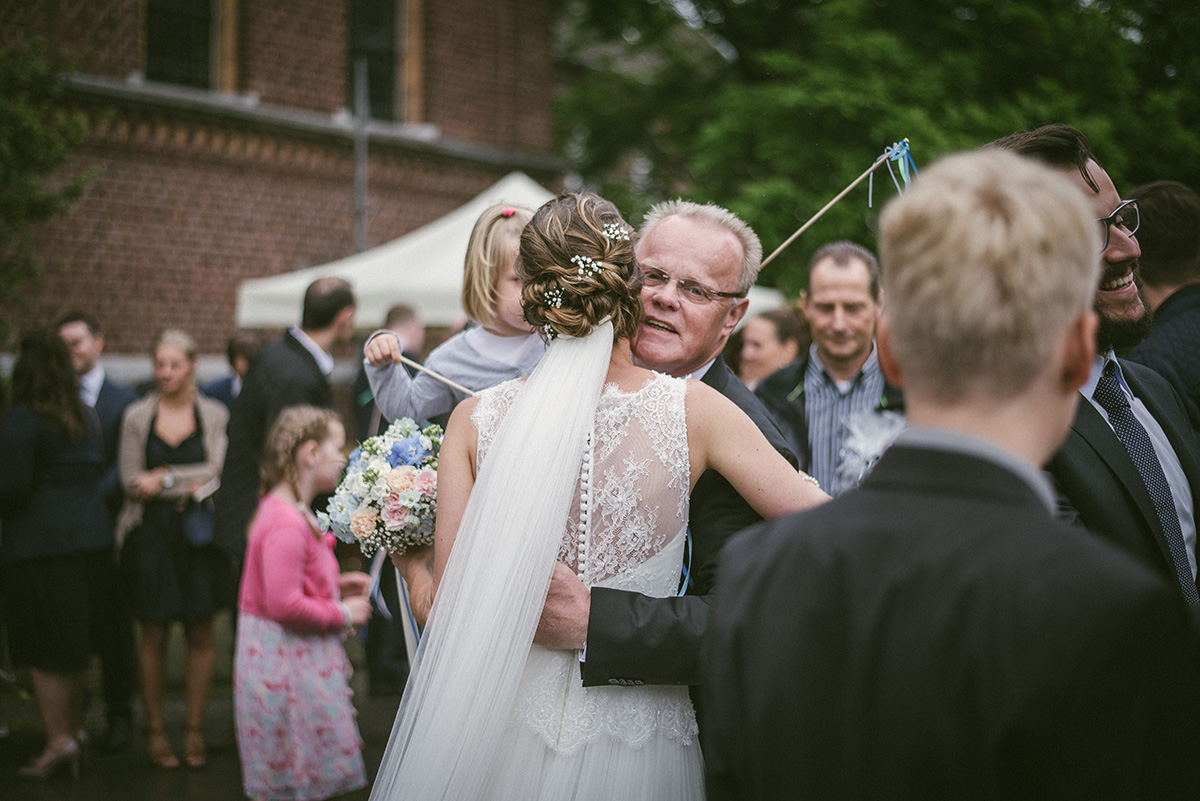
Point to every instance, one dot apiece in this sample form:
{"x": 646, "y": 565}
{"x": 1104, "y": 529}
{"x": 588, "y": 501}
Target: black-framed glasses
{"x": 1126, "y": 218}
{"x": 692, "y": 291}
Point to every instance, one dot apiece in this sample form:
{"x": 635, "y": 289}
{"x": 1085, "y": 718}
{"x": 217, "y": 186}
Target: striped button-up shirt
{"x": 827, "y": 405}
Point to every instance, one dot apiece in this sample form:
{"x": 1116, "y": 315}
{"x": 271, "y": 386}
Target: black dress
{"x": 168, "y": 577}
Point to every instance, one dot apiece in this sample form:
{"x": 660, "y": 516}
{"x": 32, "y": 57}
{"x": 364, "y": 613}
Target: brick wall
{"x": 294, "y": 53}
{"x": 187, "y": 204}
{"x": 488, "y": 71}
{"x": 184, "y": 210}
{"x": 105, "y": 37}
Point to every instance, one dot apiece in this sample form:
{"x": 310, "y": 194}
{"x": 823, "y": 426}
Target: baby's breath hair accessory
{"x": 550, "y": 332}
{"x": 587, "y": 266}
{"x": 616, "y": 232}
{"x": 554, "y": 297}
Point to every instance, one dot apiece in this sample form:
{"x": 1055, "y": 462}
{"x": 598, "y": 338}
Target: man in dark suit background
{"x": 240, "y": 352}
{"x": 290, "y": 371}
{"x": 699, "y": 262}
{"x": 935, "y": 633}
{"x": 1148, "y": 508}
{"x": 1169, "y": 237}
{"x": 114, "y": 624}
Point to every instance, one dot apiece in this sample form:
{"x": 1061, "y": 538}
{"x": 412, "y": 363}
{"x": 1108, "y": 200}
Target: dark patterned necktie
{"x": 1135, "y": 439}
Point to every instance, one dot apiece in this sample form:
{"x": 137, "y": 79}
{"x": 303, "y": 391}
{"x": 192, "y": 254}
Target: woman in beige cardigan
{"x": 172, "y": 446}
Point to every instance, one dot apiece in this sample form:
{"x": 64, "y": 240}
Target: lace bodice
{"x": 638, "y": 517}
{"x": 639, "y": 478}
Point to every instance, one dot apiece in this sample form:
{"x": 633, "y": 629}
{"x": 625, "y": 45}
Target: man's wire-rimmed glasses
{"x": 1125, "y": 217}
{"x": 692, "y": 291}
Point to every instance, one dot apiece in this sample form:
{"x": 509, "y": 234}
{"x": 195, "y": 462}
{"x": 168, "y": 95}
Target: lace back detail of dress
{"x": 636, "y": 508}
{"x": 638, "y": 476}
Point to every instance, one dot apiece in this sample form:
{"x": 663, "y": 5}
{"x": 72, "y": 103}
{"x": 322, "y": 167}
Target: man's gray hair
{"x": 719, "y": 217}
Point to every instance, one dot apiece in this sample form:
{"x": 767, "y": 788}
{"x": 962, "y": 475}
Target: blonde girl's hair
{"x": 491, "y": 248}
{"x": 294, "y": 426}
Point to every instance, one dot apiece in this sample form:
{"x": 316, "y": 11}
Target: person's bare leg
{"x": 152, "y": 666}
{"x": 200, "y": 661}
{"x": 54, "y": 693}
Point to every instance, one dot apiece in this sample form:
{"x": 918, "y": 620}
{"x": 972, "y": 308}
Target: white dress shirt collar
{"x": 324, "y": 360}
{"x": 89, "y": 385}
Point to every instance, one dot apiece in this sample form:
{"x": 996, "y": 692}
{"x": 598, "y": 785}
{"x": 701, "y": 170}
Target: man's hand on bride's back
{"x": 563, "y": 626}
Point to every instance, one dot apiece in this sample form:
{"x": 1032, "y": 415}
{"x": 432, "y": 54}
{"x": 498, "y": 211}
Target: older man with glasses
{"x": 1129, "y": 470}
{"x": 699, "y": 262}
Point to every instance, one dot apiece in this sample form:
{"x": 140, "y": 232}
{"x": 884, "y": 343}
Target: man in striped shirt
{"x": 814, "y": 399}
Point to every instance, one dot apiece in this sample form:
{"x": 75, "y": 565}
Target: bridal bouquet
{"x": 387, "y": 499}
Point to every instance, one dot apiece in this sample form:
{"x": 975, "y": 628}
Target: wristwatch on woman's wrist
{"x": 168, "y": 479}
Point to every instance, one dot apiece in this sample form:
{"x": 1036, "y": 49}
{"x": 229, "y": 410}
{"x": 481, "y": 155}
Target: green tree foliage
{"x": 771, "y": 107}
{"x": 38, "y": 137}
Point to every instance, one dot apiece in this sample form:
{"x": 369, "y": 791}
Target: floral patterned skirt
{"x": 296, "y": 731}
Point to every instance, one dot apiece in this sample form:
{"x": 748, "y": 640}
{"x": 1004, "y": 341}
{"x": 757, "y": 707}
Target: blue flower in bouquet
{"x": 387, "y": 498}
{"x": 336, "y": 517}
{"x": 409, "y": 451}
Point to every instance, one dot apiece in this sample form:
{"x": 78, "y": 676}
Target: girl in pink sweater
{"x": 295, "y": 721}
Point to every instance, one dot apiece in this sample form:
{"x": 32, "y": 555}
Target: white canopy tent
{"x": 423, "y": 269}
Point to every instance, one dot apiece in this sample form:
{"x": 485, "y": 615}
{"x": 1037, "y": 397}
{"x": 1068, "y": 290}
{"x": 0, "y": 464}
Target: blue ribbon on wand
{"x": 898, "y": 152}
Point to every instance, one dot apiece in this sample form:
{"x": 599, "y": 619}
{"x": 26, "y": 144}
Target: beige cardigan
{"x": 135, "y": 431}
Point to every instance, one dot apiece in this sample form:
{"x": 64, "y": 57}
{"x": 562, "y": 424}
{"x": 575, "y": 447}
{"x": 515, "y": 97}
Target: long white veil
{"x": 460, "y": 694}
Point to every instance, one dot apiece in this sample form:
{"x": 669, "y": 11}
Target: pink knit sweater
{"x": 290, "y": 575}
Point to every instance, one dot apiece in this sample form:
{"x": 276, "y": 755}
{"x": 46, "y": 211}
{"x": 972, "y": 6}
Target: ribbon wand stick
{"x": 874, "y": 166}
{"x": 438, "y": 376}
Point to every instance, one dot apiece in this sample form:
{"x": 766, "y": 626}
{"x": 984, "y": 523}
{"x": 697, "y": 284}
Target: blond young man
{"x": 935, "y": 633}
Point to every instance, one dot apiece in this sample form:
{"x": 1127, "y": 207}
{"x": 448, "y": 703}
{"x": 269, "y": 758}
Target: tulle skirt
{"x": 567, "y": 742}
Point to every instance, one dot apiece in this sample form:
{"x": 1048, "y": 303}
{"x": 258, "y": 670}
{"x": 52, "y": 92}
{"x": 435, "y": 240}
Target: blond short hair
{"x": 986, "y": 260}
{"x": 491, "y": 248}
{"x": 714, "y": 215}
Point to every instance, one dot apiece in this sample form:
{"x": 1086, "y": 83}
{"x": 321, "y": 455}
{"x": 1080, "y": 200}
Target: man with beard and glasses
{"x": 1129, "y": 470}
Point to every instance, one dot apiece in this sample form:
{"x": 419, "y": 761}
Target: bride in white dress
{"x": 589, "y": 463}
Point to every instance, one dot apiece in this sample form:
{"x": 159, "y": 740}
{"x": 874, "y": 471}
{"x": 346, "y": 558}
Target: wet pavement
{"x": 129, "y": 776}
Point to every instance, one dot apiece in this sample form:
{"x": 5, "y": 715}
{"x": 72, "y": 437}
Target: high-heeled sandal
{"x": 159, "y": 749}
{"x": 51, "y": 760}
{"x": 194, "y": 752}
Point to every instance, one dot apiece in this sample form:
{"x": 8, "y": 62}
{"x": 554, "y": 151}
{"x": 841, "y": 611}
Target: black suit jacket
{"x": 283, "y": 374}
{"x": 635, "y": 639}
{"x": 111, "y": 403}
{"x": 937, "y": 634}
{"x": 1099, "y": 485}
{"x": 782, "y": 393}
{"x": 1172, "y": 347}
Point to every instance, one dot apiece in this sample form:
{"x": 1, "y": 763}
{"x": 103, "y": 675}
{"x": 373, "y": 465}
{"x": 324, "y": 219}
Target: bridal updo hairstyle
{"x": 576, "y": 262}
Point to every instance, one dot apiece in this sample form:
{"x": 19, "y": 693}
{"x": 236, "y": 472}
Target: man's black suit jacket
{"x": 111, "y": 403}
{"x": 1099, "y": 486}
{"x": 782, "y": 393}
{"x": 937, "y": 634}
{"x": 635, "y": 639}
{"x": 283, "y": 374}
